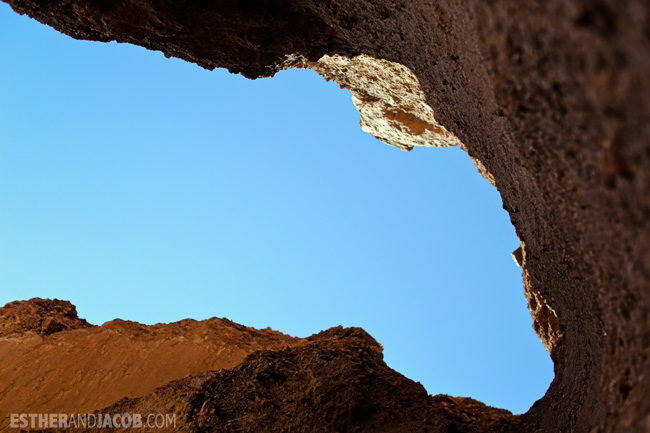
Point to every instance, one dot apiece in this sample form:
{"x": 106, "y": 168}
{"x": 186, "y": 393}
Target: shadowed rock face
{"x": 550, "y": 98}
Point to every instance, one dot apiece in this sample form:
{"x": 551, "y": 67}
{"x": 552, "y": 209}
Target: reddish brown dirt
{"x": 336, "y": 382}
{"x": 90, "y": 367}
{"x": 551, "y": 96}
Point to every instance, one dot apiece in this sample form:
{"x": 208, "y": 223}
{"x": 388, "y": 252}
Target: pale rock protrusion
{"x": 389, "y": 97}
{"x": 390, "y": 100}
{"x": 518, "y": 256}
{"x": 545, "y": 320}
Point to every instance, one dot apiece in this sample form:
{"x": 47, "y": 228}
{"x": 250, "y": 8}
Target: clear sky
{"x": 152, "y": 190}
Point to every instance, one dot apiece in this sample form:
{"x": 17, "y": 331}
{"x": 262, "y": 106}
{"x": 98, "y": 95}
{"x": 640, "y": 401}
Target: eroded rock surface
{"x": 550, "y": 98}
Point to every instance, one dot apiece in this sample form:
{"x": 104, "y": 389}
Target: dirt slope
{"x": 337, "y": 382}
{"x": 81, "y": 368}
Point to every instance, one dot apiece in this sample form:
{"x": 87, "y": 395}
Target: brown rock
{"x": 336, "y": 382}
{"x": 39, "y": 316}
{"x": 551, "y": 101}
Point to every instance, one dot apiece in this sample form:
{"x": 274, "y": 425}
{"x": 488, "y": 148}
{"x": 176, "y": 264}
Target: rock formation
{"x": 74, "y": 367}
{"x": 550, "y": 99}
{"x": 336, "y": 382}
{"x": 214, "y": 375}
{"x": 39, "y": 316}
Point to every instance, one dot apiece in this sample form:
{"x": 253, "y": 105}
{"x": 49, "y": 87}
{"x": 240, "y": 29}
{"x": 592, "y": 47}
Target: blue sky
{"x": 152, "y": 190}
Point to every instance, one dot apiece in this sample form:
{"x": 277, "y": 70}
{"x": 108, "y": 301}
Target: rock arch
{"x": 549, "y": 98}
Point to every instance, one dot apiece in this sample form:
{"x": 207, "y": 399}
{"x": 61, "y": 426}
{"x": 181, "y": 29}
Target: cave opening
{"x": 148, "y": 189}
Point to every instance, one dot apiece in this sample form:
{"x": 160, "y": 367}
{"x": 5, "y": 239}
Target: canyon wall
{"x": 550, "y": 99}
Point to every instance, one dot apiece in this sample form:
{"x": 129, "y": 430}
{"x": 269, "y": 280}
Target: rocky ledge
{"x": 39, "y": 316}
